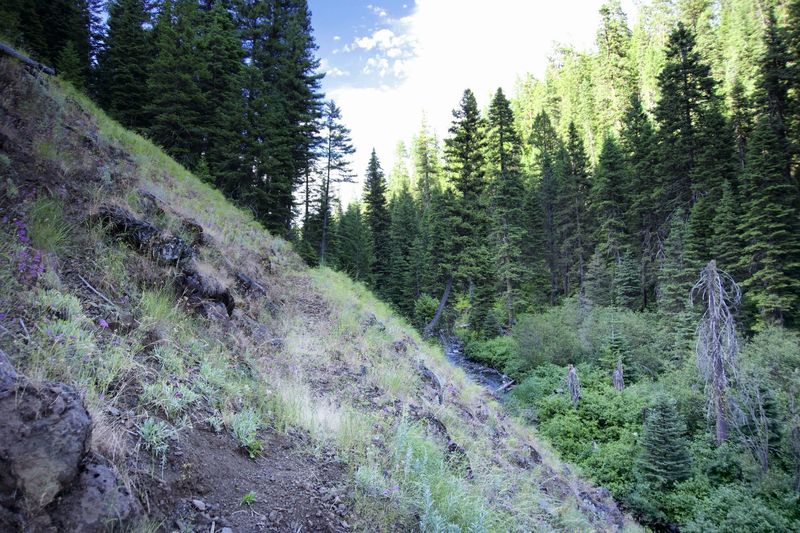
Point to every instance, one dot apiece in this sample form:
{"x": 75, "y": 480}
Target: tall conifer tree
{"x": 123, "y": 63}
{"x": 504, "y": 150}
{"x": 378, "y": 220}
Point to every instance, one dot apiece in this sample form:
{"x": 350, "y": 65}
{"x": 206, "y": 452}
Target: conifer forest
{"x": 619, "y": 237}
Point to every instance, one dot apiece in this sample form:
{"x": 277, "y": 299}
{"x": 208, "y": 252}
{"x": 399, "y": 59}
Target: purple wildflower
{"x": 102, "y": 323}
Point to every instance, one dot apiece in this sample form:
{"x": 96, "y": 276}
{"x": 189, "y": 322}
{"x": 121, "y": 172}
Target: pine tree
{"x": 336, "y": 152}
{"x": 776, "y": 77}
{"x": 637, "y": 141}
{"x": 283, "y": 105}
{"x": 221, "y": 54}
{"x": 627, "y": 292}
{"x": 664, "y": 458}
{"x": 124, "y": 62}
{"x": 504, "y": 151}
{"x": 727, "y": 244}
{"x": 599, "y": 285}
{"x": 378, "y": 220}
{"x": 674, "y": 280}
{"x": 615, "y": 74}
{"x": 176, "y": 101}
{"x": 769, "y": 228}
{"x": 465, "y": 150}
{"x": 353, "y": 247}
{"x": 70, "y": 67}
{"x": 426, "y": 163}
{"x": 572, "y": 216}
{"x": 401, "y": 284}
{"x": 608, "y": 200}
{"x": 540, "y": 247}
{"x": 687, "y": 103}
{"x": 548, "y": 197}
{"x": 741, "y": 121}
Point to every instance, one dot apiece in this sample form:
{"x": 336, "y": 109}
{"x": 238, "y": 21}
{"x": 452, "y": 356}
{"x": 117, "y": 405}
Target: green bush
{"x": 550, "y": 337}
{"x": 497, "y": 352}
{"x": 424, "y": 310}
{"x": 731, "y": 509}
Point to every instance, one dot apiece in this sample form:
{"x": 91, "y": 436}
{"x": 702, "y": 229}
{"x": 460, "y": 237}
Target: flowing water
{"x": 488, "y": 377}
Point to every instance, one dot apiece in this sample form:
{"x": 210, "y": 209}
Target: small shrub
{"x": 173, "y": 400}
{"x": 155, "y": 435}
{"x": 498, "y": 352}
{"x": 245, "y": 426}
{"x": 248, "y": 499}
{"x": 424, "y": 310}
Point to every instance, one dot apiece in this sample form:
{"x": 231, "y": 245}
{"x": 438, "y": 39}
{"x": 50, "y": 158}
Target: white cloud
{"x": 444, "y": 47}
{"x": 337, "y": 38}
{"x": 335, "y": 72}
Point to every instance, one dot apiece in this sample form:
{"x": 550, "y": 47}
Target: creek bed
{"x": 490, "y": 379}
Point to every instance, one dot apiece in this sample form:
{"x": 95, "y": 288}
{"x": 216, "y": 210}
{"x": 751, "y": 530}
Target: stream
{"x": 489, "y": 378}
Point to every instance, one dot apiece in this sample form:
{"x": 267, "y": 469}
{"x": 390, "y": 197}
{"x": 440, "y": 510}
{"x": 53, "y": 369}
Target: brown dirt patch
{"x": 295, "y": 490}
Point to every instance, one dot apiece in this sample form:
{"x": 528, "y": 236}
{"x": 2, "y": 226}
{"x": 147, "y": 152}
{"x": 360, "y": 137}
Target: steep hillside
{"x": 227, "y": 384}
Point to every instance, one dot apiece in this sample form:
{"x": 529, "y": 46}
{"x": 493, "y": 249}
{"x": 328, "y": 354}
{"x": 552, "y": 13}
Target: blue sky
{"x": 341, "y": 29}
{"x": 391, "y": 63}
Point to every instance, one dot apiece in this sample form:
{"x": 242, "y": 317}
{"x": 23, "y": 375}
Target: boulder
{"x": 97, "y": 502}
{"x": 45, "y": 434}
{"x": 48, "y": 480}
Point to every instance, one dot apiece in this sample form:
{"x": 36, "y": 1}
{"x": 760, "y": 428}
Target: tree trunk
{"x": 323, "y": 243}
{"x": 435, "y": 320}
{"x": 25, "y": 59}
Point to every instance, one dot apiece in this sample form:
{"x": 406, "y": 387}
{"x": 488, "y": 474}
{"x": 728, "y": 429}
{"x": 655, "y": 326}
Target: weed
{"x": 49, "y": 229}
{"x": 248, "y": 499}
{"x": 114, "y": 364}
{"x": 169, "y": 359}
{"x": 64, "y": 305}
{"x": 216, "y": 423}
{"x": 245, "y": 426}
{"x": 155, "y": 435}
{"x": 171, "y": 399}
{"x": 147, "y": 525}
{"x": 12, "y": 191}
{"x": 5, "y": 161}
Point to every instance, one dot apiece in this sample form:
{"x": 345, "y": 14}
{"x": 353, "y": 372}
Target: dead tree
{"x": 617, "y": 378}
{"x": 430, "y": 326}
{"x": 717, "y": 344}
{"x": 574, "y": 385}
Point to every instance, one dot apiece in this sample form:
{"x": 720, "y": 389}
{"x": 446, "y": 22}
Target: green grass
{"x": 158, "y": 307}
{"x": 49, "y": 229}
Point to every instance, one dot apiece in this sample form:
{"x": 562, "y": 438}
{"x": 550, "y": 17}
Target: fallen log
{"x": 9, "y": 50}
{"x": 504, "y": 387}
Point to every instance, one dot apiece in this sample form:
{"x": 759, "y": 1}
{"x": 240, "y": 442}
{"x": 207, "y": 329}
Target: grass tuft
{"x": 49, "y": 229}
{"x": 245, "y": 425}
{"x": 155, "y": 436}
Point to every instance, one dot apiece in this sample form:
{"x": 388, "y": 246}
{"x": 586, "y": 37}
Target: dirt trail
{"x": 294, "y": 490}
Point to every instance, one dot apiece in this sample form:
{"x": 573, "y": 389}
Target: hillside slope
{"x": 229, "y": 386}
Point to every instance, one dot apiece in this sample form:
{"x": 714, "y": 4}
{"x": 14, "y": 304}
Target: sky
{"x": 391, "y": 63}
